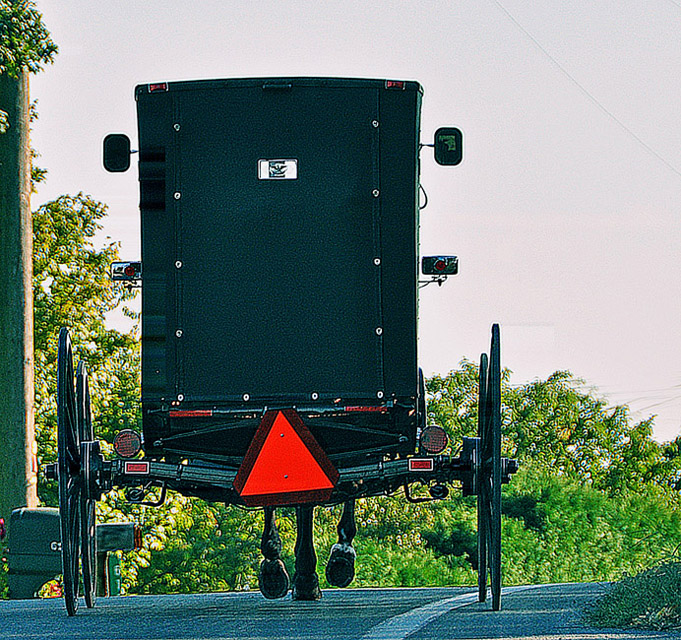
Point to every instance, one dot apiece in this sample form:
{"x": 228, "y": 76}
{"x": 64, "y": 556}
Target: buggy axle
{"x": 378, "y": 478}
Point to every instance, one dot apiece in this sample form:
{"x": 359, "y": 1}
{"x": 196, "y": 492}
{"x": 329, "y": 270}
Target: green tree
{"x": 556, "y": 424}
{"x": 25, "y": 43}
{"x": 25, "y": 46}
{"x": 72, "y": 288}
{"x": 592, "y": 482}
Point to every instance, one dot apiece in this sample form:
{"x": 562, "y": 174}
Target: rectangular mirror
{"x": 448, "y": 146}
{"x": 116, "y": 152}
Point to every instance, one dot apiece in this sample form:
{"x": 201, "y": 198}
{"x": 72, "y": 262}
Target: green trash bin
{"x": 111, "y": 538}
{"x": 34, "y": 554}
{"x": 113, "y": 574}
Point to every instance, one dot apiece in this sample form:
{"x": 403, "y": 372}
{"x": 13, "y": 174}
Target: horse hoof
{"x": 306, "y": 587}
{"x": 340, "y": 569}
{"x": 273, "y": 579}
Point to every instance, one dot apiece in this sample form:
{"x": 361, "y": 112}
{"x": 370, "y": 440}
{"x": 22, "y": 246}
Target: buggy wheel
{"x": 421, "y": 408}
{"x": 489, "y": 474}
{"x": 481, "y": 489}
{"x": 494, "y": 392}
{"x": 88, "y": 538}
{"x": 69, "y": 463}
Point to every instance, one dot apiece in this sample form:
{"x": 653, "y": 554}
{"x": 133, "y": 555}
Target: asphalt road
{"x": 550, "y": 612}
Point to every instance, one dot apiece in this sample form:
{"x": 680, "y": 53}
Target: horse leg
{"x": 340, "y": 569}
{"x": 305, "y": 579}
{"x": 273, "y": 579}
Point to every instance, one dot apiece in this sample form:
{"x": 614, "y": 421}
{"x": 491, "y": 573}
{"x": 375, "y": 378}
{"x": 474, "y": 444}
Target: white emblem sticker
{"x": 277, "y": 169}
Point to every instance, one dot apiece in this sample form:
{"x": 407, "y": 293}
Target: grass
{"x": 649, "y": 600}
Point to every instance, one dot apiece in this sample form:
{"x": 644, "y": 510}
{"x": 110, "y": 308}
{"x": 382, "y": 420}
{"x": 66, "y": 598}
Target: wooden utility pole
{"x": 18, "y": 474}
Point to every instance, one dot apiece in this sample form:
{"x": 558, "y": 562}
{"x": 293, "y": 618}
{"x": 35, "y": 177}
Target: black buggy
{"x": 279, "y": 276}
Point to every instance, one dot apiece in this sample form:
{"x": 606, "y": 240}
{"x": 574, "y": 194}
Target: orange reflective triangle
{"x": 284, "y": 464}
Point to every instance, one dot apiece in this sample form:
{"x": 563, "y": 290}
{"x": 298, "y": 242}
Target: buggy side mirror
{"x": 448, "y": 146}
{"x": 117, "y": 152}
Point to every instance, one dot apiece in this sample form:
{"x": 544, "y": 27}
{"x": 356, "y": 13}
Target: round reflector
{"x": 434, "y": 439}
{"x": 127, "y": 443}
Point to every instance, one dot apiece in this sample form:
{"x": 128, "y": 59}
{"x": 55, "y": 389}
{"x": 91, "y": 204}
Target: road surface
{"x": 550, "y": 612}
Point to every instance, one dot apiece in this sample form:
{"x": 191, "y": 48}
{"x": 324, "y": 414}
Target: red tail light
{"x": 127, "y": 443}
{"x": 434, "y": 439}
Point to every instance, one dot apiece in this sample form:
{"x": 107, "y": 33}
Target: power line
{"x": 585, "y": 92}
{"x": 660, "y": 403}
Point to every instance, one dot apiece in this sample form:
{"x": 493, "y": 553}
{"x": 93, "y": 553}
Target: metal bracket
{"x": 135, "y": 495}
{"x": 439, "y": 279}
{"x": 413, "y": 500}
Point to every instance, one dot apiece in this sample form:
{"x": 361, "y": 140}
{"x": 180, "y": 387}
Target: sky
{"x": 565, "y": 213}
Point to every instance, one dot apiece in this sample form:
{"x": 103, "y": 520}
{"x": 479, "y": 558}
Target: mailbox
{"x": 35, "y": 551}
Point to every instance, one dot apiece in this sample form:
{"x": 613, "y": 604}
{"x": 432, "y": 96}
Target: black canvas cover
{"x": 279, "y": 240}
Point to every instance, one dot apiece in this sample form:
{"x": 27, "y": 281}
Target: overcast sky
{"x": 564, "y": 213}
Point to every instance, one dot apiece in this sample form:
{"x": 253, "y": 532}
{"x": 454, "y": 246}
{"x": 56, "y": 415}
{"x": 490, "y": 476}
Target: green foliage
{"x": 593, "y": 485}
{"x": 160, "y": 526}
{"x": 37, "y": 173}
{"x": 4, "y": 587}
{"x": 453, "y": 401}
{"x": 25, "y": 43}
{"x": 554, "y": 424}
{"x": 72, "y": 288}
{"x": 215, "y": 549}
{"x": 584, "y": 534}
{"x": 525, "y": 507}
{"x": 650, "y": 600}
{"x": 459, "y": 540}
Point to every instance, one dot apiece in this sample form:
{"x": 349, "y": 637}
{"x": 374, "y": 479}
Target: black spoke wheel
{"x": 88, "y": 539}
{"x": 69, "y": 463}
{"x": 421, "y": 408}
{"x": 482, "y": 483}
{"x": 489, "y": 474}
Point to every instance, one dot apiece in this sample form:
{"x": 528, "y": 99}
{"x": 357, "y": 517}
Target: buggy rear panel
{"x": 279, "y": 249}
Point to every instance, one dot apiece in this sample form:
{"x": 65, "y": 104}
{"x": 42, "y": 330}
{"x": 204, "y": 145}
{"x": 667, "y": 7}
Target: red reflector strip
{"x": 161, "y": 86}
{"x": 367, "y": 409}
{"x": 137, "y": 533}
{"x": 195, "y": 413}
{"x": 394, "y": 84}
{"x": 136, "y": 468}
{"x": 421, "y": 464}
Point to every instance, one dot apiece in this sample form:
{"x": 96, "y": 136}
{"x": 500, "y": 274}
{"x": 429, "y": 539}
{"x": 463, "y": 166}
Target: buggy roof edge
{"x": 282, "y": 82}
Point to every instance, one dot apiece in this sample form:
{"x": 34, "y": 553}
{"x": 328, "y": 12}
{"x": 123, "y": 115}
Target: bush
{"x": 586, "y": 535}
{"x": 650, "y": 600}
